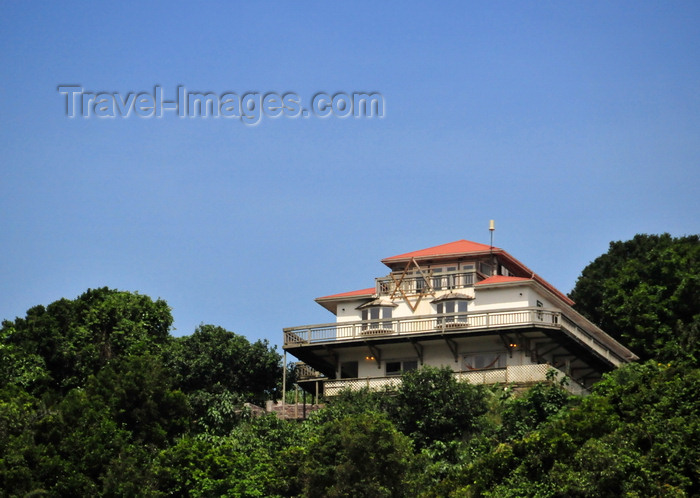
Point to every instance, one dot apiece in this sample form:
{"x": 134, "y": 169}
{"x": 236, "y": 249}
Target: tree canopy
{"x": 431, "y": 405}
{"x": 645, "y": 292}
{"x": 95, "y": 388}
{"x": 59, "y": 346}
{"x": 213, "y": 359}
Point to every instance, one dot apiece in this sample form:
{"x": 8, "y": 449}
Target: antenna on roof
{"x": 492, "y": 228}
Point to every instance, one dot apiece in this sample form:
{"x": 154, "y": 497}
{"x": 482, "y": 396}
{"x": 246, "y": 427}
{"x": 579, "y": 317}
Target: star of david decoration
{"x": 425, "y": 290}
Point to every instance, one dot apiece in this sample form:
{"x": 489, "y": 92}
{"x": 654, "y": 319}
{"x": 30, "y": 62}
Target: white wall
{"x": 348, "y": 312}
{"x": 435, "y": 353}
{"x": 491, "y": 298}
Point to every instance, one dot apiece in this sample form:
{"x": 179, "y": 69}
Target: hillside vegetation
{"x": 98, "y": 399}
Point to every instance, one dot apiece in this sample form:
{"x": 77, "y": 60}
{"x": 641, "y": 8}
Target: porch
{"x": 409, "y": 328}
{"x": 516, "y": 375}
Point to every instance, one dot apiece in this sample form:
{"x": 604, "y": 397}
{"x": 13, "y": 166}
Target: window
{"x": 393, "y": 367}
{"x": 466, "y": 276}
{"x": 385, "y": 287}
{"x": 483, "y": 361}
{"x": 420, "y": 283}
{"x": 453, "y": 306}
{"x": 450, "y": 279}
{"x": 348, "y": 370}
{"x": 397, "y": 367}
{"x": 540, "y": 315}
{"x": 376, "y": 313}
{"x": 437, "y": 279}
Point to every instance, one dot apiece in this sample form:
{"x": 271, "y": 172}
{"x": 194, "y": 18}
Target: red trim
{"x": 496, "y": 279}
{"x": 451, "y": 248}
{"x": 361, "y": 292}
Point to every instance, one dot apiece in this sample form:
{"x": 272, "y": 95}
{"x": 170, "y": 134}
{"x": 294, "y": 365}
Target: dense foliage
{"x": 636, "y": 435}
{"x": 98, "y": 399}
{"x": 646, "y": 293}
{"x": 95, "y": 392}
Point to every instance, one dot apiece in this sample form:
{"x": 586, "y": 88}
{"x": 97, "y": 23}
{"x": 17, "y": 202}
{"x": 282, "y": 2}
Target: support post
{"x": 419, "y": 350}
{"x": 453, "y": 348}
{"x": 284, "y": 380}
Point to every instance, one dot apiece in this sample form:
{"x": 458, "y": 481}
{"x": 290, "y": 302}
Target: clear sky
{"x": 570, "y": 123}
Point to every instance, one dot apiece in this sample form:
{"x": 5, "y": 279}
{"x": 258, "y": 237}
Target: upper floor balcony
{"x": 447, "y": 324}
{"x": 418, "y": 282}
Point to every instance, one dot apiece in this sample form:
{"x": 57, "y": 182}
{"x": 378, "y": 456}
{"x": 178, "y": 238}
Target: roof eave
{"x": 439, "y": 257}
{"x": 331, "y": 303}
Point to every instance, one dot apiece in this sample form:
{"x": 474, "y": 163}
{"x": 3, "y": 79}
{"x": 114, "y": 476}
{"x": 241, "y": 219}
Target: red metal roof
{"x": 451, "y": 248}
{"x": 467, "y": 247}
{"x": 362, "y": 292}
{"x": 497, "y": 279}
{"x": 458, "y": 248}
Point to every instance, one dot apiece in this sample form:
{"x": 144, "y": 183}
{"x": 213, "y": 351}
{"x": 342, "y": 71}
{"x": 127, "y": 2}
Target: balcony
{"x": 418, "y": 284}
{"x": 330, "y": 334}
{"x": 362, "y": 329}
{"x": 517, "y": 375}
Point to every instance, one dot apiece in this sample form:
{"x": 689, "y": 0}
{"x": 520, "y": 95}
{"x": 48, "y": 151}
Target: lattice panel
{"x": 518, "y": 375}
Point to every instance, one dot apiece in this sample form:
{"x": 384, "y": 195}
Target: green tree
{"x": 526, "y": 412}
{"x": 73, "y": 339}
{"x": 635, "y": 435}
{"x": 92, "y": 404}
{"x": 431, "y": 405}
{"x": 250, "y": 461}
{"x": 84, "y": 394}
{"x": 646, "y": 292}
{"x": 95, "y": 440}
{"x": 361, "y": 455}
{"x": 19, "y": 367}
{"x": 212, "y": 356}
{"x": 351, "y": 402}
{"x": 219, "y": 371}
{"x": 137, "y": 393}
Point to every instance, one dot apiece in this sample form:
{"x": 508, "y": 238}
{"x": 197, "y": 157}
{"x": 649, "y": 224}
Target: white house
{"x": 466, "y": 305}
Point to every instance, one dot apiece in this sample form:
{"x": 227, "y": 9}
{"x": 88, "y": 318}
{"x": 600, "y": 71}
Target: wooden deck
{"x": 446, "y": 324}
{"x": 519, "y": 375}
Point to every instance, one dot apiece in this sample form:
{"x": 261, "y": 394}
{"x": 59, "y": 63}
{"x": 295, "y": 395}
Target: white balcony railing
{"x": 361, "y": 329}
{"x": 516, "y": 375}
{"x": 445, "y": 323}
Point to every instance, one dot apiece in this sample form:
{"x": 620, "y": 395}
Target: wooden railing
{"x": 437, "y": 281}
{"x": 345, "y": 331}
{"x": 516, "y": 374}
{"x": 448, "y": 322}
{"x": 305, "y": 372}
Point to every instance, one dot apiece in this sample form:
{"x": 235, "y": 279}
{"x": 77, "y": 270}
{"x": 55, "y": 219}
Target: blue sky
{"x": 570, "y": 123}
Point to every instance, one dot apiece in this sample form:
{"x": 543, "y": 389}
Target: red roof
{"x": 497, "y": 279}
{"x": 458, "y": 248}
{"x": 449, "y": 249}
{"x": 464, "y": 247}
{"x": 361, "y": 292}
